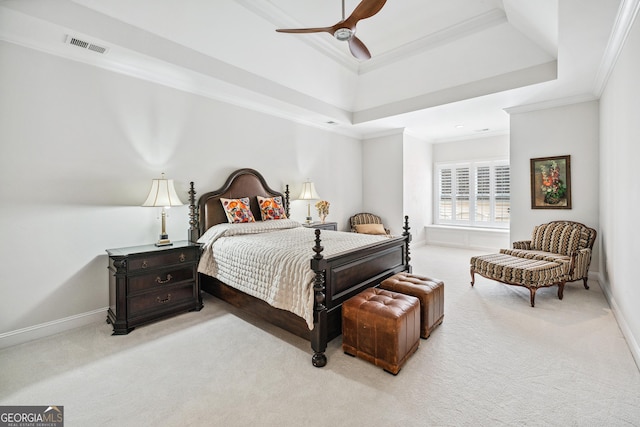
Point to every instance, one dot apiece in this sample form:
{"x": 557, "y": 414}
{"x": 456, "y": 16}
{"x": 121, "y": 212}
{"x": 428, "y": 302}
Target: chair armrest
{"x": 522, "y": 244}
{"x": 580, "y": 261}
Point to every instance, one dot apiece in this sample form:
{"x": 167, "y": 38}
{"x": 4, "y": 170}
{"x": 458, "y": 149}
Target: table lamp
{"x": 163, "y": 194}
{"x": 308, "y": 193}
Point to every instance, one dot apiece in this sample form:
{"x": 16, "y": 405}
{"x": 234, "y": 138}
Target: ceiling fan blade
{"x": 306, "y": 30}
{"x": 358, "y": 49}
{"x": 366, "y": 9}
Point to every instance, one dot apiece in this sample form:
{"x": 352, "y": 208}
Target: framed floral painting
{"x": 551, "y": 183}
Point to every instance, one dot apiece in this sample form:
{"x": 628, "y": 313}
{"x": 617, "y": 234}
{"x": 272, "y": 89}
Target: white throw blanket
{"x": 271, "y": 260}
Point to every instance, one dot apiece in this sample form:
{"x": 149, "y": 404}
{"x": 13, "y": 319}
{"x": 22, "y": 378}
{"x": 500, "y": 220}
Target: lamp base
{"x": 309, "y": 219}
{"x": 164, "y": 241}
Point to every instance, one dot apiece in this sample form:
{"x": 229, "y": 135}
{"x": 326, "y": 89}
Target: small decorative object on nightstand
{"x": 323, "y": 210}
{"x": 147, "y": 283}
{"x": 333, "y": 226}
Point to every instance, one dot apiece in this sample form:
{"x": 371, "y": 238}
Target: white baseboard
{"x": 484, "y": 239}
{"x": 634, "y": 347}
{"x": 42, "y": 330}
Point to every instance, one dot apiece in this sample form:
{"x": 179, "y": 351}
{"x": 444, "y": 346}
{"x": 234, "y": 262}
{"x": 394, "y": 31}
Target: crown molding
{"x": 553, "y": 103}
{"x": 281, "y": 19}
{"x": 494, "y": 84}
{"x": 482, "y": 135}
{"x": 384, "y": 133}
{"x": 447, "y": 35}
{"x": 240, "y": 88}
{"x": 627, "y": 14}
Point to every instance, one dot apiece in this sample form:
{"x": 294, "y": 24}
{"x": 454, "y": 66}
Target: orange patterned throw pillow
{"x": 271, "y": 208}
{"x": 237, "y": 210}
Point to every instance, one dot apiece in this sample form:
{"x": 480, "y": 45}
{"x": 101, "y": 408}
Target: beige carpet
{"x": 494, "y": 361}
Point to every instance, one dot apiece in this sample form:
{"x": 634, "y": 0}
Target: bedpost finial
{"x": 193, "y": 214}
{"x": 407, "y": 235}
{"x": 286, "y": 200}
{"x": 317, "y": 248}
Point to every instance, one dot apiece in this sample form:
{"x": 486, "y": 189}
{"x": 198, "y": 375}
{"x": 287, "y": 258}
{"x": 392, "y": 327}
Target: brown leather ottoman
{"x": 381, "y": 327}
{"x": 429, "y": 291}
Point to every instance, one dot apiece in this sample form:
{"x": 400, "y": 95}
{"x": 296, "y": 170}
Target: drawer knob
{"x": 144, "y": 264}
{"x": 182, "y": 258}
{"x": 164, "y": 300}
{"x": 160, "y": 281}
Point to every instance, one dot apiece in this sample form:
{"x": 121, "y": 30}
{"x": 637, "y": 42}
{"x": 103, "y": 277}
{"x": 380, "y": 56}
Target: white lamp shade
{"x": 308, "y": 192}
{"x": 162, "y": 193}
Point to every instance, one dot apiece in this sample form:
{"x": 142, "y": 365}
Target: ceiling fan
{"x": 345, "y": 30}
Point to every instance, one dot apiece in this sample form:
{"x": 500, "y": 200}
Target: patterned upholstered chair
{"x": 558, "y": 252}
{"x": 367, "y": 223}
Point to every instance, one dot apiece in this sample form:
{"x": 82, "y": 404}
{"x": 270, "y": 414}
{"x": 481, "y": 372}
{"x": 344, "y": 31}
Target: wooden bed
{"x": 337, "y": 278}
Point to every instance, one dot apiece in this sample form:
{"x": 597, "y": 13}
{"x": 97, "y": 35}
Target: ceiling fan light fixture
{"x": 343, "y": 34}
{"x": 345, "y": 29}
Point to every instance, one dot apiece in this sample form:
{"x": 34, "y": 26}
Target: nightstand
{"x": 323, "y": 226}
{"x": 147, "y": 283}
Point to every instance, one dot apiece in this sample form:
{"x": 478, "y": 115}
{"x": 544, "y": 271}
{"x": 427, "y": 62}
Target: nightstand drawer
{"x": 162, "y": 299}
{"x": 162, "y": 259}
{"x": 158, "y": 279}
{"x": 150, "y": 282}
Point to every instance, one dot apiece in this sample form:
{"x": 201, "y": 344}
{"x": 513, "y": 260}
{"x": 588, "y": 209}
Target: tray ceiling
{"x": 436, "y": 64}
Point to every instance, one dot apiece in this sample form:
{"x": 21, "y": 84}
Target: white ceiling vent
{"x": 75, "y": 41}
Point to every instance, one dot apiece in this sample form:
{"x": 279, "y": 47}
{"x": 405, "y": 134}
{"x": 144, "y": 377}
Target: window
{"x": 473, "y": 194}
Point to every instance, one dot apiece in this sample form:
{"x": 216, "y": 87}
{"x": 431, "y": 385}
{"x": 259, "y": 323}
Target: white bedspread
{"x": 271, "y": 260}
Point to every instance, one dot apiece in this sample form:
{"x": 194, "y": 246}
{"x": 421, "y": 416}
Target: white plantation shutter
{"x": 446, "y": 194}
{"x": 462, "y": 193}
{"x": 473, "y": 194}
{"x": 483, "y": 194}
{"x": 502, "y": 193}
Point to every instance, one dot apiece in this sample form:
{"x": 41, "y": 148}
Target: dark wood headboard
{"x": 241, "y": 183}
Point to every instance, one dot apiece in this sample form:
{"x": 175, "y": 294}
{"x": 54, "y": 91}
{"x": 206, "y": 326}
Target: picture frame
{"x": 551, "y": 182}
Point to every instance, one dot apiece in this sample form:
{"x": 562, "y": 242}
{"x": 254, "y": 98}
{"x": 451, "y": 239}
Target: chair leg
{"x": 560, "y": 290}
{"x": 584, "y": 279}
{"x": 533, "y": 296}
{"x": 473, "y": 276}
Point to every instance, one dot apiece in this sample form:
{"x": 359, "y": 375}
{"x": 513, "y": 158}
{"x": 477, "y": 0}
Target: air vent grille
{"x": 96, "y": 48}
{"x": 74, "y": 41}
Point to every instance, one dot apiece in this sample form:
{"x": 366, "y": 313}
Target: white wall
{"x": 494, "y": 147}
{"x": 418, "y": 185}
{"x": 80, "y": 146}
{"x": 619, "y": 193}
{"x": 397, "y": 181}
{"x": 383, "y": 175}
{"x": 567, "y": 130}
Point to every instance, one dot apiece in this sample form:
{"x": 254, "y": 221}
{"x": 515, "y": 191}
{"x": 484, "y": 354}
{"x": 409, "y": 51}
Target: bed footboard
{"x": 342, "y": 276}
{"x": 337, "y": 278}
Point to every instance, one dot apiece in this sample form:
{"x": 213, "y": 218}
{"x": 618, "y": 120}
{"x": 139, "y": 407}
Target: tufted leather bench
{"x": 429, "y": 291}
{"x": 381, "y": 327}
